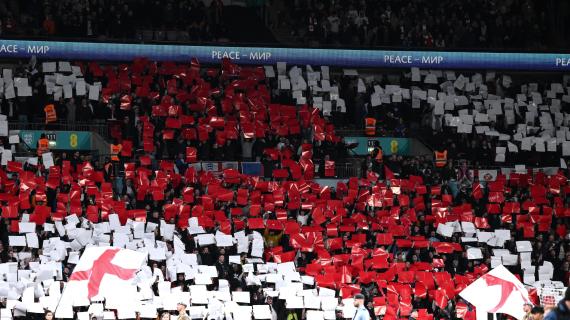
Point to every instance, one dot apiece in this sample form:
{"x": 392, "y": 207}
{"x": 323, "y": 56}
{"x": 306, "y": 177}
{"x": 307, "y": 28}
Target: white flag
{"x": 498, "y": 291}
{"x": 102, "y": 272}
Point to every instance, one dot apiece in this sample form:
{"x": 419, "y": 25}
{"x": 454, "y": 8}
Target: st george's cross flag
{"x": 101, "y": 273}
{"x": 498, "y": 291}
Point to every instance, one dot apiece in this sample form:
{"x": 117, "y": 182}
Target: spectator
{"x": 361, "y": 312}
{"x": 164, "y": 316}
{"x": 527, "y": 310}
{"x": 377, "y": 158}
{"x": 49, "y": 26}
{"x": 312, "y": 27}
{"x": 223, "y": 267}
{"x": 562, "y": 310}
{"x": 181, "y": 308}
{"x": 246, "y": 149}
{"x": 86, "y": 111}
{"x": 334, "y": 27}
{"x": 537, "y": 313}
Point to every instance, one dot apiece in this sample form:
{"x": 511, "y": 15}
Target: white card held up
{"x": 114, "y": 222}
{"x": 206, "y": 239}
{"x": 14, "y": 139}
{"x": 430, "y": 79}
{"x": 166, "y": 230}
{"x": 17, "y": 241}
{"x": 32, "y": 240}
{"x": 3, "y": 128}
{"x": 49, "y": 67}
{"x": 416, "y": 77}
{"x": 474, "y": 254}
{"x": 241, "y": 296}
{"x": 9, "y": 92}
{"x": 503, "y": 234}
{"x": 312, "y": 302}
{"x": 80, "y": 88}
{"x": 33, "y": 161}
{"x": 285, "y": 84}
{"x": 7, "y": 75}
{"x": 315, "y": 315}
{"x": 94, "y": 92}
{"x": 24, "y": 91}
{"x": 261, "y": 312}
{"x": 47, "y": 160}
{"x": 325, "y": 292}
{"x": 524, "y": 246}
{"x": 445, "y": 230}
{"x": 27, "y": 227}
{"x": 294, "y": 302}
{"x": 64, "y": 66}
{"x": 308, "y": 280}
{"x": 269, "y": 72}
{"x": 468, "y": 227}
{"x": 510, "y": 259}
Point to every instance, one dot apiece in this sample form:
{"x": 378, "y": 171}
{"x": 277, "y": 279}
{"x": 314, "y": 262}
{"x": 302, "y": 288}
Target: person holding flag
{"x": 102, "y": 272}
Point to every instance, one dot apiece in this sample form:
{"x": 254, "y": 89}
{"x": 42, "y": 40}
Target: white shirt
{"x": 361, "y": 314}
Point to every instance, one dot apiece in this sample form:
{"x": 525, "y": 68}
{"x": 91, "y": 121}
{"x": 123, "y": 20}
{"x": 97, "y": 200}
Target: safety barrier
{"x": 101, "y": 129}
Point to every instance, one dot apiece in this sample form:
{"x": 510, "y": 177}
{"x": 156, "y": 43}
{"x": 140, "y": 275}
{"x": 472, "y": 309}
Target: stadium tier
{"x": 457, "y": 207}
{"x": 528, "y": 24}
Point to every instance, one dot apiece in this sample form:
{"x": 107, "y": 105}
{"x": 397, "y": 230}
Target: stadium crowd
{"x": 409, "y": 235}
{"x": 113, "y": 19}
{"x": 472, "y": 115}
{"x": 481, "y": 24}
{"x": 476, "y": 24}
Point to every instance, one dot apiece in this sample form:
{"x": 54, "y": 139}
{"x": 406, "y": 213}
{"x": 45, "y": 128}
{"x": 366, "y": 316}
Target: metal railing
{"x": 348, "y": 170}
{"x": 349, "y": 132}
{"x": 101, "y": 129}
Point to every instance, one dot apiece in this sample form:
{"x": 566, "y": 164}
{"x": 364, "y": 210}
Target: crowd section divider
{"x": 354, "y": 58}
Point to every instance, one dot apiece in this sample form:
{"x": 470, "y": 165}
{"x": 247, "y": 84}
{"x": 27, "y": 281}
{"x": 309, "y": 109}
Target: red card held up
{"x": 191, "y": 154}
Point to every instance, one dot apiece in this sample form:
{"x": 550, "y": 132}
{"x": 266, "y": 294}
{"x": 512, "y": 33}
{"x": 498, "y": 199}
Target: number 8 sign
{"x": 73, "y": 140}
{"x": 394, "y": 146}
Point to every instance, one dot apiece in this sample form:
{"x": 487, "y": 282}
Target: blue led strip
{"x": 261, "y": 56}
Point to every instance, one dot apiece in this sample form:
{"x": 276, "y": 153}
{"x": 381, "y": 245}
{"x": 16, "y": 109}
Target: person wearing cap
{"x": 361, "y": 312}
{"x": 181, "y": 308}
{"x": 562, "y": 310}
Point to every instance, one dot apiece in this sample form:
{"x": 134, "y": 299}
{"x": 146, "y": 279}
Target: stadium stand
{"x": 173, "y": 21}
{"x": 140, "y": 182}
{"x": 518, "y": 24}
{"x": 408, "y": 233}
{"x": 476, "y": 24}
{"x": 484, "y": 118}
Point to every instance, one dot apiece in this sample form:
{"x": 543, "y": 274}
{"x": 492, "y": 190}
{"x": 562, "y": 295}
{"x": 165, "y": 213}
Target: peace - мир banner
{"x": 260, "y": 55}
